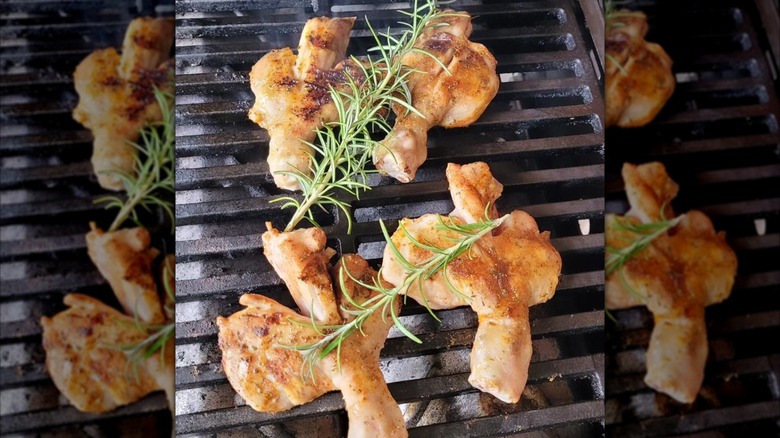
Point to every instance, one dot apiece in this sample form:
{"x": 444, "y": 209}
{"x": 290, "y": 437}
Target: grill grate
{"x": 718, "y": 136}
{"x": 46, "y": 198}
{"x": 543, "y": 139}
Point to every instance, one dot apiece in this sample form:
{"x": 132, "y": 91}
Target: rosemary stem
{"x": 313, "y": 197}
{"x": 126, "y": 209}
{"x": 300, "y": 213}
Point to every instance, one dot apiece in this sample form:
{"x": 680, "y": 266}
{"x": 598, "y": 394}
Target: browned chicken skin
{"x": 270, "y": 377}
{"x": 124, "y": 258}
{"x": 300, "y": 257}
{"x": 293, "y": 98}
{"x": 503, "y": 274}
{"x": 639, "y": 77}
{"x": 83, "y": 365}
{"x": 676, "y": 277}
{"x": 116, "y": 99}
{"x": 454, "y": 98}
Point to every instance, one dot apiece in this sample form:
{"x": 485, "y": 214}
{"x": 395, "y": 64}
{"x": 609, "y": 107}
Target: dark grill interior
{"x": 543, "y": 139}
{"x": 718, "y": 136}
{"x": 46, "y": 201}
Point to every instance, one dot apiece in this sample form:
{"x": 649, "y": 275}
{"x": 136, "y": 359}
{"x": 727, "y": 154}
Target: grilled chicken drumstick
{"x": 451, "y": 98}
{"x": 680, "y": 273}
{"x": 502, "y": 275}
{"x": 116, "y": 95}
{"x": 268, "y": 376}
{"x": 639, "y": 77}
{"x": 292, "y": 95}
{"x": 86, "y": 366}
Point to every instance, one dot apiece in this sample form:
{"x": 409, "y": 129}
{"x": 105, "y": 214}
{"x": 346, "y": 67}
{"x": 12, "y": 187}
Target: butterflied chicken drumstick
{"x": 270, "y": 378}
{"x": 452, "y": 98}
{"x": 501, "y": 276}
{"x": 639, "y": 77}
{"x": 292, "y": 95}
{"x": 676, "y": 276}
{"x": 86, "y": 365}
{"x": 116, "y": 95}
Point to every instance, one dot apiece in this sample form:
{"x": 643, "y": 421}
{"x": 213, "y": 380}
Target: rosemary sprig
{"x": 463, "y": 237}
{"x": 152, "y": 182}
{"x": 646, "y": 233}
{"x": 346, "y": 146}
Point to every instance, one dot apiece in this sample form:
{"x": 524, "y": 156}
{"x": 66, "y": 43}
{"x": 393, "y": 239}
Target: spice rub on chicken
{"x": 84, "y": 358}
{"x": 639, "y": 77}
{"x": 272, "y": 378}
{"x": 500, "y": 277}
{"x": 685, "y": 268}
{"x": 116, "y": 97}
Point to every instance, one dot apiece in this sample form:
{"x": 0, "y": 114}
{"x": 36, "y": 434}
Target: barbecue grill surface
{"x": 718, "y": 136}
{"x": 46, "y": 200}
{"x": 543, "y": 139}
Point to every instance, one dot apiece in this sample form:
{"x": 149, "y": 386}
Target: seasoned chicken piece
{"x": 453, "y": 98}
{"x": 269, "y": 377}
{"x": 116, "y": 98}
{"x": 292, "y": 95}
{"x": 83, "y": 365}
{"x": 300, "y": 257}
{"x": 639, "y": 77}
{"x": 124, "y": 258}
{"x": 502, "y": 275}
{"x": 676, "y": 277}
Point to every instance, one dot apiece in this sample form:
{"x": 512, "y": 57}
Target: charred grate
{"x": 543, "y": 139}
{"x": 46, "y": 201}
{"x": 718, "y": 136}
